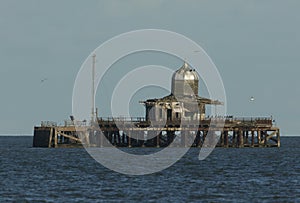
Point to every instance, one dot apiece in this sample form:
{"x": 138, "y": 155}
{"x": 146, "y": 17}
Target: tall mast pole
{"x": 93, "y": 88}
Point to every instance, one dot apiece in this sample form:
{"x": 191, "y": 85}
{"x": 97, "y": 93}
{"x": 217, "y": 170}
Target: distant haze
{"x": 254, "y": 44}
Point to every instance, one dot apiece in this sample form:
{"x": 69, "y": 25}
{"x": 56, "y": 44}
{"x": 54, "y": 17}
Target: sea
{"x": 228, "y": 175}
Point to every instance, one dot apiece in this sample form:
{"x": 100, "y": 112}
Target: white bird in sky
{"x": 252, "y": 99}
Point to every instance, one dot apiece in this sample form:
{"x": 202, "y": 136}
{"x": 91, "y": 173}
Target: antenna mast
{"x": 93, "y": 88}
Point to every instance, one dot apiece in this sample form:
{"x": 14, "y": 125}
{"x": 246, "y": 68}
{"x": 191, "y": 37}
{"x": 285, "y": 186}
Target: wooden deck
{"x": 136, "y": 132}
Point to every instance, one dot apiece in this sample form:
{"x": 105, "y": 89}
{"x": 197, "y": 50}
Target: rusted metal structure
{"x": 177, "y": 120}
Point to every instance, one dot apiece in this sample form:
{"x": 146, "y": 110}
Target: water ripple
{"x": 227, "y": 175}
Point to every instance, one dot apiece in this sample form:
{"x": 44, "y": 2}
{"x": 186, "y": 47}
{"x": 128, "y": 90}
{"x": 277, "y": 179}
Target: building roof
{"x": 172, "y": 98}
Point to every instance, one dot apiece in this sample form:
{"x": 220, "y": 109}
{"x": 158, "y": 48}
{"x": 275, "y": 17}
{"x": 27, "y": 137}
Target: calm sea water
{"x": 228, "y": 175}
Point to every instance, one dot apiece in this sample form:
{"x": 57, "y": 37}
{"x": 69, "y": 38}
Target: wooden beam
{"x": 69, "y": 136}
{"x": 50, "y": 137}
{"x": 271, "y": 135}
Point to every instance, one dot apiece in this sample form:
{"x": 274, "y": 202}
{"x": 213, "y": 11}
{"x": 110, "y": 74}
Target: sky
{"x": 254, "y": 44}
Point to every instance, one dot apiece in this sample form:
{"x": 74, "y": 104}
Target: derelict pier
{"x": 176, "y": 120}
{"x": 251, "y": 132}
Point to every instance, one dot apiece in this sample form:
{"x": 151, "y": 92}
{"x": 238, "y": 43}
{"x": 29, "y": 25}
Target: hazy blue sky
{"x": 254, "y": 43}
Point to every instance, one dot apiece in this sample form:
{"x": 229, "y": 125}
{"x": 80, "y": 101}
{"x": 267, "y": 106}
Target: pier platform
{"x": 137, "y": 132}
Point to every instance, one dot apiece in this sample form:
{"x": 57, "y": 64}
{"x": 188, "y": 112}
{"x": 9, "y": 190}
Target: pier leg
{"x": 204, "y": 137}
{"x": 259, "y": 137}
{"x": 233, "y": 138}
{"x": 278, "y": 138}
{"x": 226, "y": 138}
{"x": 115, "y": 134}
{"x": 170, "y": 137}
{"x": 109, "y": 137}
{"x": 105, "y": 139}
{"x": 265, "y": 138}
{"x": 210, "y": 138}
{"x": 182, "y": 136}
{"x": 50, "y": 138}
{"x": 143, "y": 138}
{"x": 252, "y": 138}
{"x": 186, "y": 137}
{"x": 123, "y": 138}
{"x": 55, "y": 138}
{"x": 222, "y": 139}
{"x": 241, "y": 138}
{"x": 119, "y": 138}
{"x": 158, "y": 140}
{"x": 198, "y": 139}
{"x": 129, "y": 138}
{"x": 100, "y": 135}
{"x": 87, "y": 137}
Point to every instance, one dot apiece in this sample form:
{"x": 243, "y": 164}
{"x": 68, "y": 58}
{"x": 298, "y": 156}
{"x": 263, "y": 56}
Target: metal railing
{"x": 121, "y": 119}
{"x": 258, "y": 120}
{"x": 73, "y": 123}
{"x": 48, "y": 124}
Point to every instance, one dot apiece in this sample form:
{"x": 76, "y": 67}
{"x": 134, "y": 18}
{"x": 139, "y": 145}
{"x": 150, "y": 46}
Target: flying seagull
{"x": 43, "y": 80}
{"x": 252, "y": 99}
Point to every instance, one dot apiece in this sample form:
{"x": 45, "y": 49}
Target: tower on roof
{"x": 185, "y": 81}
